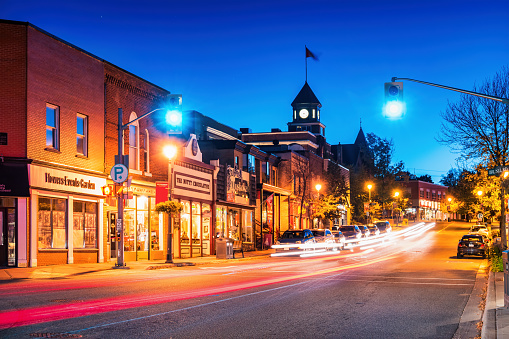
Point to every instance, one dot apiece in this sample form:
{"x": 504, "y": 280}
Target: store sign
{"x": 237, "y": 185}
{"x": 49, "y": 178}
{"x": 192, "y": 183}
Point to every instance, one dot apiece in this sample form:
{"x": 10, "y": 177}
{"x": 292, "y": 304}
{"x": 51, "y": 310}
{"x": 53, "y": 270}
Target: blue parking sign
{"x": 119, "y": 173}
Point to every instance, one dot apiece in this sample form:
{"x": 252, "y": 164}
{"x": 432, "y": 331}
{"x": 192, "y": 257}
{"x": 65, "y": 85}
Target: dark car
{"x": 373, "y": 230}
{"x": 351, "y": 232}
{"x": 383, "y": 226}
{"x": 473, "y": 244}
{"x": 294, "y": 239}
{"x": 324, "y": 236}
{"x": 364, "y": 230}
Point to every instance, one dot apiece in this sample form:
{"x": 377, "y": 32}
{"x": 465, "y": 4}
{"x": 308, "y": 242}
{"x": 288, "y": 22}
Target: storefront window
{"x": 234, "y": 224}
{"x": 247, "y": 226}
{"x": 129, "y": 223}
{"x": 196, "y": 224}
{"x": 84, "y": 224}
{"x": 220, "y": 221}
{"x": 185, "y": 223}
{"x": 142, "y": 241}
{"x": 51, "y": 223}
{"x": 206, "y": 214}
{"x": 156, "y": 225}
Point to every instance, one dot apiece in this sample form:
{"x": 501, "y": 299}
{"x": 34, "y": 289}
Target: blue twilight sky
{"x": 243, "y": 62}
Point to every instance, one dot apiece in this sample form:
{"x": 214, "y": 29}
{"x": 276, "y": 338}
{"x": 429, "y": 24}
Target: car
{"x": 293, "y": 239}
{"x": 339, "y": 237}
{"x": 324, "y": 236}
{"x": 351, "y": 232}
{"x": 473, "y": 244}
{"x": 383, "y": 226}
{"x": 373, "y": 230}
{"x": 364, "y": 230}
{"x": 480, "y": 228}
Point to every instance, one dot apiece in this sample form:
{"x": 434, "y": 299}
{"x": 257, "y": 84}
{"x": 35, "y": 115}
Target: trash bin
{"x": 505, "y": 263}
{"x": 224, "y": 248}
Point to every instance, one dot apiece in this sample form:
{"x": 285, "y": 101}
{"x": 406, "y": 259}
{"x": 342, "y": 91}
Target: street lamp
{"x": 121, "y": 159}
{"x": 396, "y": 195}
{"x": 369, "y": 186}
{"x": 369, "y": 189}
{"x": 170, "y": 151}
{"x": 318, "y": 187}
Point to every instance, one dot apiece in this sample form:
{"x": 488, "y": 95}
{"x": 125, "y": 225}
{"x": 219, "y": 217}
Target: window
{"x": 273, "y": 177}
{"x": 237, "y": 162}
{"x": 427, "y": 194}
{"x": 146, "y": 157}
{"x": 52, "y": 126}
{"x": 82, "y": 134}
{"x": 51, "y": 223}
{"x": 249, "y": 163}
{"x": 84, "y": 231}
{"x": 134, "y": 150}
{"x": 247, "y": 224}
{"x": 266, "y": 172}
{"x": 421, "y": 193}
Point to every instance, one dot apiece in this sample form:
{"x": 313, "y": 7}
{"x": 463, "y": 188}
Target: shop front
{"x": 64, "y": 213}
{"x": 235, "y": 215}
{"x": 274, "y": 214}
{"x": 193, "y": 188}
{"x": 14, "y": 193}
{"x": 143, "y": 226}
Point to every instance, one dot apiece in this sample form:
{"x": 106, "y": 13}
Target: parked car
{"x": 339, "y": 237}
{"x": 294, "y": 239}
{"x": 351, "y": 232}
{"x": 473, "y": 244}
{"x": 373, "y": 230}
{"x": 383, "y": 226}
{"x": 480, "y": 228}
{"x": 324, "y": 236}
{"x": 364, "y": 230}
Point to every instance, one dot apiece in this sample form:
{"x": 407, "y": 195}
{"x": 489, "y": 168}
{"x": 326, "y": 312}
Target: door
{"x": 113, "y": 235}
{"x": 7, "y": 237}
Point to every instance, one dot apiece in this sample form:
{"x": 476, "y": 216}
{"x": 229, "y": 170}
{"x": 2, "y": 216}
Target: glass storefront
{"x": 234, "y": 223}
{"x": 51, "y": 223}
{"x": 84, "y": 224}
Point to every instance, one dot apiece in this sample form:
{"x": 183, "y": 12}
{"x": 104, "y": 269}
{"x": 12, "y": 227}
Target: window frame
{"x": 55, "y": 130}
{"x": 83, "y": 136}
{"x": 134, "y": 143}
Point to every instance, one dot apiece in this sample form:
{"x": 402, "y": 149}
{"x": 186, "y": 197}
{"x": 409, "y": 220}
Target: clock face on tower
{"x": 303, "y": 113}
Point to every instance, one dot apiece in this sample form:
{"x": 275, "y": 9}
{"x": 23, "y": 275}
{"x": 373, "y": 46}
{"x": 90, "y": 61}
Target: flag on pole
{"x": 310, "y": 54}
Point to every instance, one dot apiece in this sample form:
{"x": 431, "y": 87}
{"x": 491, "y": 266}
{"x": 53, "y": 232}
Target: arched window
{"x": 146, "y": 153}
{"x": 134, "y": 148}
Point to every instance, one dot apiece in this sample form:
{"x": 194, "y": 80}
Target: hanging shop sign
{"x": 237, "y": 185}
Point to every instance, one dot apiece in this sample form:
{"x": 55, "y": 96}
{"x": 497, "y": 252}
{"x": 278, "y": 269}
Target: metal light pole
{"x": 369, "y": 204}
{"x": 124, "y": 160}
{"x": 170, "y": 151}
{"x": 318, "y": 187}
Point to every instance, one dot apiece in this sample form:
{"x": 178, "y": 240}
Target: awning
{"x": 14, "y": 178}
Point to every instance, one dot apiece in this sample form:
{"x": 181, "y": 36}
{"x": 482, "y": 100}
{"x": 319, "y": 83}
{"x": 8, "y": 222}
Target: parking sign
{"x": 119, "y": 173}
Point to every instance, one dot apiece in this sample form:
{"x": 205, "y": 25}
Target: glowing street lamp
{"x": 170, "y": 151}
{"x": 318, "y": 188}
{"x": 369, "y": 189}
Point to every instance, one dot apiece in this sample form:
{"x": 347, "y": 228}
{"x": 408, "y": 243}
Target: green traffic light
{"x": 174, "y": 118}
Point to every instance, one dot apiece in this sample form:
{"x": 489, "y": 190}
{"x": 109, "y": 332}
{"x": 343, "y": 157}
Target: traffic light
{"x": 174, "y": 114}
{"x": 108, "y": 190}
{"x": 394, "y": 107}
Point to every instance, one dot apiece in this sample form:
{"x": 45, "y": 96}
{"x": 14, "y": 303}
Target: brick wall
{"x": 72, "y": 80}
{"x": 13, "y": 119}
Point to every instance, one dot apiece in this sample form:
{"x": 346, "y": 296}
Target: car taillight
{"x": 482, "y": 246}
{"x": 460, "y": 245}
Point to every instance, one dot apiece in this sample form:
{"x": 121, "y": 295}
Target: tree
{"x": 425, "y": 178}
{"x": 478, "y": 128}
{"x": 384, "y": 171}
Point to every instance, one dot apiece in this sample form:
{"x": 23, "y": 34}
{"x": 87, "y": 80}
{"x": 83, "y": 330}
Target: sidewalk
{"x": 69, "y": 270}
{"x": 496, "y": 316}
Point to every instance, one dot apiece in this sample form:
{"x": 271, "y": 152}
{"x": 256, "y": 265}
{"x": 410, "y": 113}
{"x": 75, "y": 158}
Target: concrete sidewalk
{"x": 496, "y": 316}
{"x": 69, "y": 270}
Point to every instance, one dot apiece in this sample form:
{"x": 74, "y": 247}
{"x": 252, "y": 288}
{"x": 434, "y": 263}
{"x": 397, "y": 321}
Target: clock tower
{"x": 306, "y": 113}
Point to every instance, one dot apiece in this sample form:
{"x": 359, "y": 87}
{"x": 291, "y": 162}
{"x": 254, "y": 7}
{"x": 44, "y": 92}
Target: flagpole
{"x": 306, "y": 57}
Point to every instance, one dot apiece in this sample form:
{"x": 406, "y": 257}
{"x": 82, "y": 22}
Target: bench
{"x": 237, "y": 247}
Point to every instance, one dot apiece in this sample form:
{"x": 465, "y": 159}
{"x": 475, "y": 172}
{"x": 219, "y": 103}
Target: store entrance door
{"x": 113, "y": 235}
{"x": 7, "y": 237}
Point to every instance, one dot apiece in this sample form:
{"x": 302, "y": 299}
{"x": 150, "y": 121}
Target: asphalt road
{"x": 412, "y": 286}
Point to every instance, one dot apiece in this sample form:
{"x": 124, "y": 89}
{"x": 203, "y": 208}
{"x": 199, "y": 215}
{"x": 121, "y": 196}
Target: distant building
{"x": 426, "y": 201}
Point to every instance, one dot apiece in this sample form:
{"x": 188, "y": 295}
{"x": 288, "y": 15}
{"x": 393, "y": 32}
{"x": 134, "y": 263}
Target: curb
{"x": 489, "y": 328}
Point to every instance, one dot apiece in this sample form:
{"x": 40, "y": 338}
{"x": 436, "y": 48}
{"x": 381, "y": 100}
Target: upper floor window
{"x": 273, "y": 180}
{"x": 237, "y": 162}
{"x": 52, "y": 126}
{"x": 265, "y": 172}
{"x": 134, "y": 148}
{"x": 146, "y": 157}
{"x": 421, "y": 193}
{"x": 248, "y": 164}
{"x": 82, "y": 134}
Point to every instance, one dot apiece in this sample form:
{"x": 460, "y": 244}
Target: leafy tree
{"x": 478, "y": 128}
{"x": 425, "y": 178}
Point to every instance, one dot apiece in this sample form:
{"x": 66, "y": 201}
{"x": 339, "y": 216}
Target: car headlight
{"x": 359, "y": 235}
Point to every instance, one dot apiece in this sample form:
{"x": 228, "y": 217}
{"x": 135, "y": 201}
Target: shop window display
{"x": 247, "y": 226}
{"x": 196, "y": 224}
{"x": 185, "y": 223}
{"x": 51, "y": 223}
{"x": 234, "y": 224}
{"x": 84, "y": 224}
{"x": 220, "y": 221}
{"x": 206, "y": 214}
{"x": 156, "y": 227}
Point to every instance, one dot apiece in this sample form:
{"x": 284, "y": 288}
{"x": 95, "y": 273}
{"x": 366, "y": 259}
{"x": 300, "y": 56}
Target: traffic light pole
{"x": 503, "y": 229}
{"x": 120, "y": 197}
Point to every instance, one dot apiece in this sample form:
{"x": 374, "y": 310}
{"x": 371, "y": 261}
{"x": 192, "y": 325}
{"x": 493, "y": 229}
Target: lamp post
{"x": 396, "y": 195}
{"x": 170, "y": 151}
{"x": 121, "y": 159}
{"x": 369, "y": 186}
{"x": 318, "y": 187}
